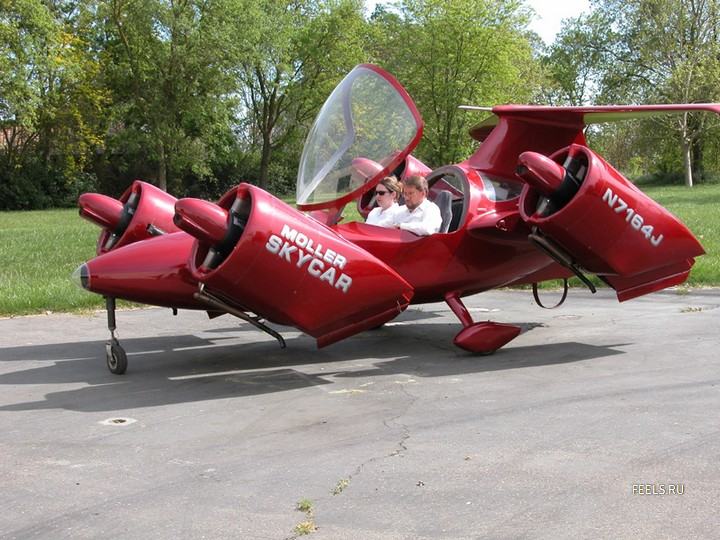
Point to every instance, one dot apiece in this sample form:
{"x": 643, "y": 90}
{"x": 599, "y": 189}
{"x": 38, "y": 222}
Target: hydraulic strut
{"x": 216, "y": 303}
{"x": 559, "y": 256}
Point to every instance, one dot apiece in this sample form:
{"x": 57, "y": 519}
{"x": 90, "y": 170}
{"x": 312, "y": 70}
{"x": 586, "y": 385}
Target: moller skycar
{"x": 533, "y": 203}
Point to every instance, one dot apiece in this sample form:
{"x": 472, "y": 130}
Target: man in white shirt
{"x": 418, "y": 215}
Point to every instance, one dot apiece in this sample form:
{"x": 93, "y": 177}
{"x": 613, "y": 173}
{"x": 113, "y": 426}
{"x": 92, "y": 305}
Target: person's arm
{"x": 429, "y": 224}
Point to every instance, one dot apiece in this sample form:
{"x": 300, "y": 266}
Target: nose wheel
{"x": 115, "y": 356}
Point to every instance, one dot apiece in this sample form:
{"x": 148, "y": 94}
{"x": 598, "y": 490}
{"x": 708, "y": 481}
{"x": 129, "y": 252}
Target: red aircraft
{"x": 532, "y": 203}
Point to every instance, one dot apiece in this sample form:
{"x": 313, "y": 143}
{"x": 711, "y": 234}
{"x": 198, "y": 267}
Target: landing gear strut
{"x": 115, "y": 356}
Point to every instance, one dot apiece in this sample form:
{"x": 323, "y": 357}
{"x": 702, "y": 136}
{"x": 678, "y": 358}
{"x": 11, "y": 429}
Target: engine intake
{"x": 142, "y": 212}
{"x": 556, "y": 184}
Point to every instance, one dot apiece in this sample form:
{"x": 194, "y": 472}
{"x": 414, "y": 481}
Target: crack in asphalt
{"x": 400, "y": 448}
{"x": 406, "y": 430}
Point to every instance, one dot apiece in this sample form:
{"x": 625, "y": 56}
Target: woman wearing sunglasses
{"x": 387, "y": 193}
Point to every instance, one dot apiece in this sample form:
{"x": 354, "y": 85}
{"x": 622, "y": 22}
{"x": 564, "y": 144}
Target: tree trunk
{"x": 265, "y": 161}
{"x": 687, "y": 149}
{"x": 697, "y": 159}
{"x": 687, "y": 156}
{"x": 162, "y": 168}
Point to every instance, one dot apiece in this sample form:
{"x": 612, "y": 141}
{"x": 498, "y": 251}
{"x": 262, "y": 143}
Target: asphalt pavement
{"x": 599, "y": 421}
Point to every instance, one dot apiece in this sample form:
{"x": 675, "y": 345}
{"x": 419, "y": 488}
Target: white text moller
{"x": 323, "y": 264}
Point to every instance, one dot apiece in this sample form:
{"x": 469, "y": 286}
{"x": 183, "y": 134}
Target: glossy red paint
{"x": 332, "y": 280}
{"x": 480, "y": 337}
{"x": 100, "y": 209}
{"x": 153, "y": 271}
{"x": 202, "y": 219}
{"x": 513, "y": 129}
{"x": 486, "y": 337}
{"x": 468, "y": 260}
{"x": 499, "y": 152}
{"x": 294, "y": 270}
{"x": 149, "y": 211}
{"x": 367, "y": 167}
{"x": 542, "y": 174}
{"x": 666, "y": 276}
{"x": 414, "y": 167}
{"x": 610, "y": 227}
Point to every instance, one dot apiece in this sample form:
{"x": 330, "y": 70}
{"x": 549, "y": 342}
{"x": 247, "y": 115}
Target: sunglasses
{"x": 379, "y": 193}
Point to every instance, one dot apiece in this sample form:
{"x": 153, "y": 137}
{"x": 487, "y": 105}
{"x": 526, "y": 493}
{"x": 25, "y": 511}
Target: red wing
{"x": 514, "y": 129}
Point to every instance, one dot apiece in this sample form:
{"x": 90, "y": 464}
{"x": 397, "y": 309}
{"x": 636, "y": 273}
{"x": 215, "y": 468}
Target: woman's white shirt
{"x": 383, "y": 217}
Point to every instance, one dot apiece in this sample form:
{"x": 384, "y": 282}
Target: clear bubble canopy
{"x": 365, "y": 128}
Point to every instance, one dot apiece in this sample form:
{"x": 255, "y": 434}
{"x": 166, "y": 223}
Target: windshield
{"x": 365, "y": 128}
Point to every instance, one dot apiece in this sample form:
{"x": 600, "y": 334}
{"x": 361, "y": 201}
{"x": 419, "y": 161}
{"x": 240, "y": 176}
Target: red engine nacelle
{"x": 151, "y": 272}
{"x": 142, "y": 212}
{"x": 261, "y": 255}
{"x": 601, "y": 221}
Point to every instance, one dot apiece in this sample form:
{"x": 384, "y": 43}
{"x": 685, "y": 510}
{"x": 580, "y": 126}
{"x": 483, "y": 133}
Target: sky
{"x": 550, "y": 14}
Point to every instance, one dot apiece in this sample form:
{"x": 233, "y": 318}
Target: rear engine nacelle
{"x": 142, "y": 212}
{"x": 261, "y": 255}
{"x": 600, "y": 221}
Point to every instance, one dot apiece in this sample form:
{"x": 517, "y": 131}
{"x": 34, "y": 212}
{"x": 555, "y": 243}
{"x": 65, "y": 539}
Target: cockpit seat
{"x": 444, "y": 201}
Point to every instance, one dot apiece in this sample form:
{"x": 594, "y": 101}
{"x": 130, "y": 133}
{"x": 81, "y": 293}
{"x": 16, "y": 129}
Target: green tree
{"x": 453, "y": 52}
{"x": 50, "y": 101}
{"x": 168, "y": 65}
{"x": 650, "y": 51}
{"x": 303, "y": 48}
{"x": 573, "y": 63}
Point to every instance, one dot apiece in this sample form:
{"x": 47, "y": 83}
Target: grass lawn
{"x": 38, "y": 252}
{"x": 40, "y": 249}
{"x": 699, "y": 209}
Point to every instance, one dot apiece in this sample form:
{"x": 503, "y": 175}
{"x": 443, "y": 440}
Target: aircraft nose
{"x": 81, "y": 276}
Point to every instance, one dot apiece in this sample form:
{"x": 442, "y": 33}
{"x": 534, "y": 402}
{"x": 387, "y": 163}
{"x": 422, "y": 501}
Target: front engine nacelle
{"x": 142, "y": 212}
{"x": 588, "y": 213}
{"x": 261, "y": 255}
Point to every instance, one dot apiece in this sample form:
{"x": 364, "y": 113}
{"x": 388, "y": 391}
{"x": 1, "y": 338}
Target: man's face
{"x": 413, "y": 197}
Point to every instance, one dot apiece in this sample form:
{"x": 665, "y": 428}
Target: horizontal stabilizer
{"x": 580, "y": 116}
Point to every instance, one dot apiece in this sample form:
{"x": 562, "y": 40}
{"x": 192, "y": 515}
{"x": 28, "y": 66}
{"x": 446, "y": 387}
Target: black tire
{"x": 116, "y": 358}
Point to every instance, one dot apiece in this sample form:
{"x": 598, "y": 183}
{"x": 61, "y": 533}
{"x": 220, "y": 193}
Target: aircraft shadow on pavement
{"x": 177, "y": 369}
